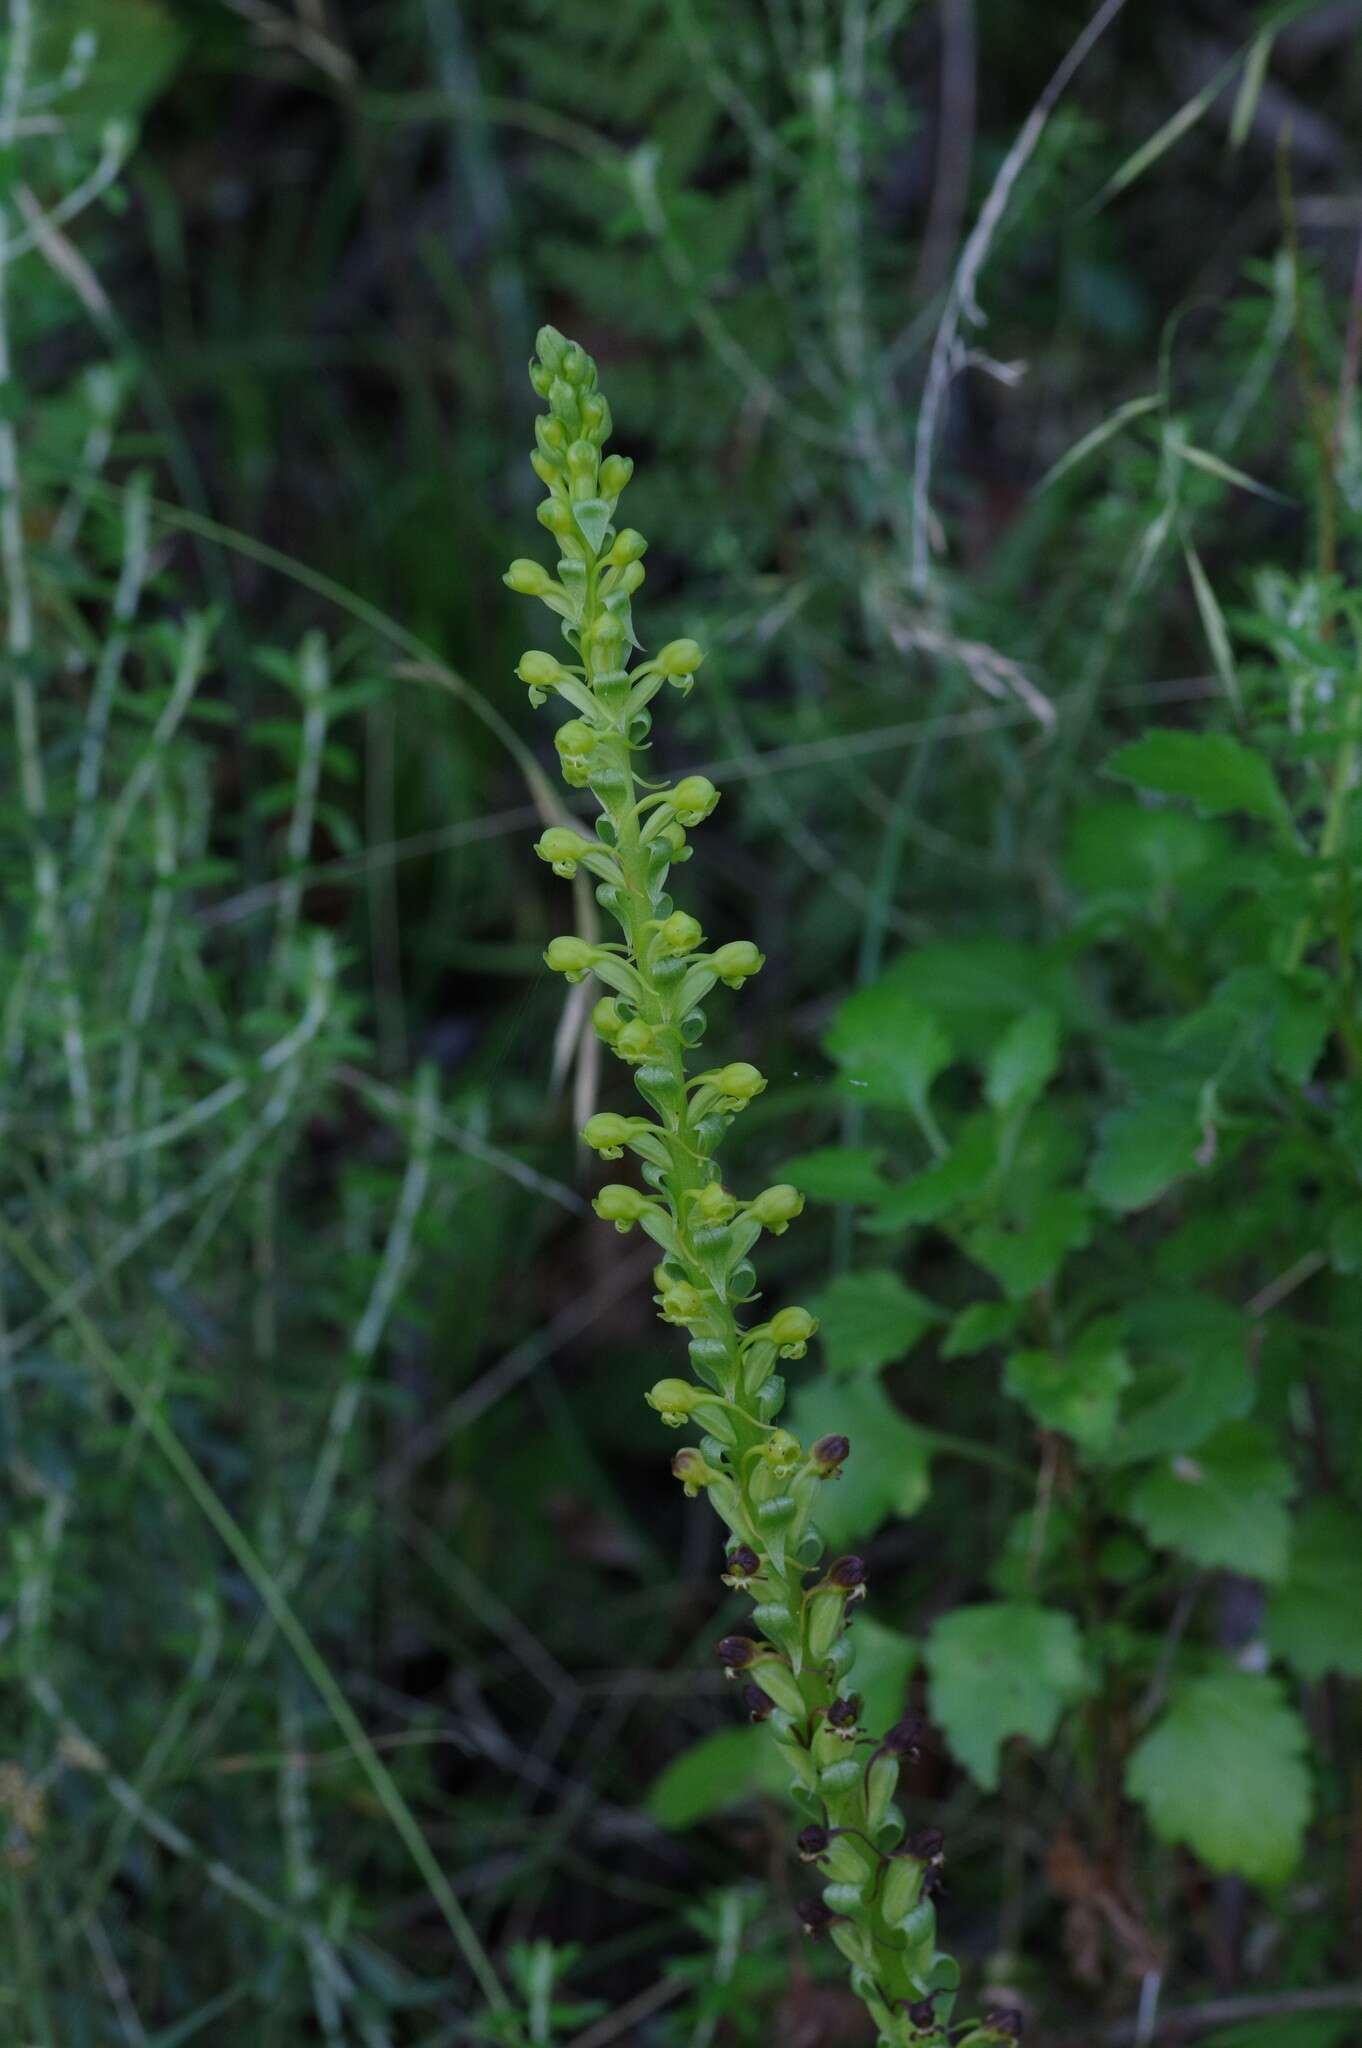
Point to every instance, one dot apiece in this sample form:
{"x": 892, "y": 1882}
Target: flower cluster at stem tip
{"x": 878, "y": 1883}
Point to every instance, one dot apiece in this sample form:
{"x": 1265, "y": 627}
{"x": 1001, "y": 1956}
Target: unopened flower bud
{"x": 814, "y": 1917}
{"x": 922, "y": 2013}
{"x": 905, "y": 1736}
{"x": 759, "y": 1707}
{"x": 529, "y": 579}
{"x": 692, "y": 800}
{"x": 811, "y": 1842}
{"x": 740, "y": 1081}
{"x": 605, "y": 1019}
{"x": 607, "y": 1133}
{"x": 828, "y": 1456}
{"x": 680, "y": 657}
{"x": 673, "y": 1400}
{"x": 562, "y": 848}
{"x": 736, "y": 1653}
{"x": 695, "y": 1473}
{"x": 628, "y": 546}
{"x": 552, "y": 513}
{"x": 551, "y": 346}
{"x": 621, "y": 1205}
{"x": 849, "y": 1573}
{"x": 569, "y": 955}
{"x": 616, "y": 471}
{"x": 790, "y": 1330}
{"x": 776, "y": 1208}
{"x": 576, "y": 366}
{"x": 630, "y": 578}
{"x": 713, "y": 1203}
{"x": 575, "y": 740}
{"x": 679, "y": 934}
{"x": 736, "y": 962}
{"x": 540, "y": 670}
{"x": 635, "y": 1040}
{"x": 581, "y": 461}
{"x": 680, "y": 1303}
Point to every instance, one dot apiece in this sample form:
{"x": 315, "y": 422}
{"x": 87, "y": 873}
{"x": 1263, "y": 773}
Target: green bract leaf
{"x": 1080, "y": 1394}
{"x": 1224, "y": 1772}
{"x": 1005, "y": 1668}
{"x": 1023, "y": 1063}
{"x": 720, "y": 1770}
{"x": 1225, "y": 1505}
{"x": 871, "y": 1319}
{"x": 890, "y": 1048}
{"x": 888, "y": 1471}
{"x": 1142, "y": 1151}
{"x": 1314, "y": 1618}
{"x": 1219, "y": 773}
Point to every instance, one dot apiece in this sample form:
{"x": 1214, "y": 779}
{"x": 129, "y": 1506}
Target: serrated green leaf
{"x": 1023, "y": 1063}
{"x": 1224, "y": 1505}
{"x": 838, "y": 1173}
{"x": 869, "y": 1319}
{"x": 944, "y": 1187}
{"x": 981, "y": 1324}
{"x": 1190, "y": 1354}
{"x": 1223, "y": 1771}
{"x": 889, "y": 1469}
{"x": 1218, "y": 773}
{"x": 1026, "y": 1257}
{"x": 1079, "y": 1395}
{"x": 1142, "y": 1151}
{"x": 1314, "y": 1618}
{"x": 1004, "y": 1668}
{"x": 889, "y": 1048}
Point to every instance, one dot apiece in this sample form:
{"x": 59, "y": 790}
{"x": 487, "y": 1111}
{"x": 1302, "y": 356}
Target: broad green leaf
{"x": 1124, "y": 849}
{"x": 1142, "y": 1151}
{"x": 977, "y": 1327}
{"x": 889, "y": 1047}
{"x": 1224, "y": 1771}
{"x": 889, "y": 1469}
{"x": 1025, "y": 1258}
{"x": 1079, "y": 1395}
{"x": 1005, "y": 1668}
{"x": 870, "y": 1319}
{"x": 1222, "y": 1505}
{"x": 1023, "y": 1063}
{"x": 135, "y": 45}
{"x": 946, "y": 1186}
{"x": 1190, "y": 1354}
{"x": 1218, "y": 773}
{"x": 885, "y": 1661}
{"x": 722, "y": 1769}
{"x": 1314, "y": 1618}
{"x": 838, "y": 1173}
{"x": 975, "y": 987}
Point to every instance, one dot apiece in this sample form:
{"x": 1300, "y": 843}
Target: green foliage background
{"x": 354, "y": 1652}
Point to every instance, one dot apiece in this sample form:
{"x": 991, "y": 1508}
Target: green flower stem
{"x": 877, "y": 1891}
